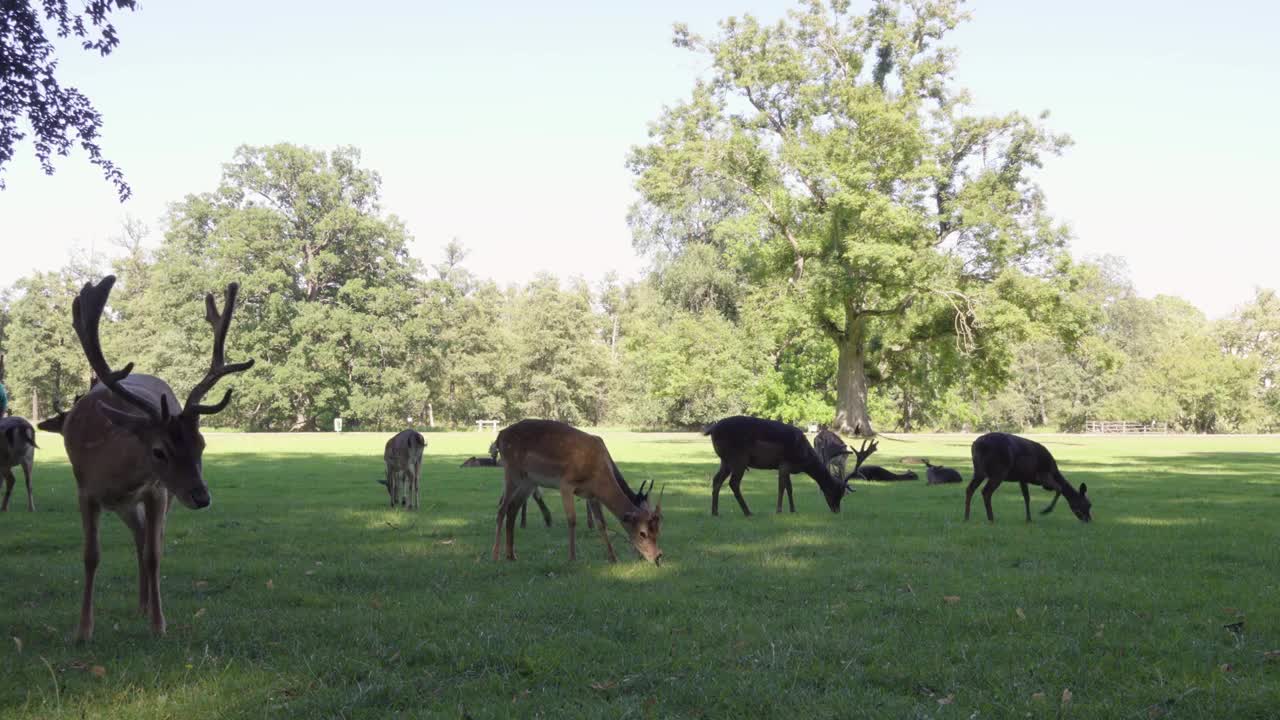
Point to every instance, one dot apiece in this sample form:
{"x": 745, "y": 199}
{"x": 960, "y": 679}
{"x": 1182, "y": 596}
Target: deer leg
{"x": 1056, "y": 494}
{"x": 512, "y": 504}
{"x": 542, "y": 505}
{"x": 570, "y": 519}
{"x": 593, "y": 508}
{"x": 987, "y": 491}
{"x": 417, "y": 480}
{"x": 978, "y": 477}
{"x": 716, "y": 483}
{"x": 791, "y": 495}
{"x": 591, "y": 515}
{"x": 782, "y": 488}
{"x": 524, "y": 511}
{"x": 9, "y": 481}
{"x": 155, "y": 520}
{"x": 89, "y": 514}
{"x": 497, "y": 533}
{"x": 26, "y": 475}
{"x": 735, "y": 484}
{"x": 136, "y": 521}
{"x": 1026, "y": 498}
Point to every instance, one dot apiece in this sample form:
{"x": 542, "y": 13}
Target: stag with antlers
{"x": 132, "y": 447}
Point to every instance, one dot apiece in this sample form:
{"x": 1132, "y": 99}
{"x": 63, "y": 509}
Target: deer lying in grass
{"x": 555, "y": 455}
{"x": 403, "y": 458}
{"x": 744, "y": 442}
{"x": 935, "y": 474}
{"x": 132, "y": 447}
{"x": 882, "y": 474}
{"x": 17, "y": 447}
{"x": 999, "y": 456}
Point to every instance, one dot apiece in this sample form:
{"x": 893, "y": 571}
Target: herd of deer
{"x": 133, "y": 448}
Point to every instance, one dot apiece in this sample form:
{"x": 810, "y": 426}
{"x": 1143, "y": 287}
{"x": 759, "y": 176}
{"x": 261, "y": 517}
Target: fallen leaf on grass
{"x": 1037, "y": 696}
{"x": 271, "y": 585}
{"x": 950, "y": 698}
{"x": 1268, "y": 655}
{"x": 311, "y": 572}
{"x": 1021, "y": 615}
{"x": 1066, "y": 696}
{"x": 202, "y": 584}
{"x": 447, "y": 542}
{"x": 1226, "y": 667}
{"x": 199, "y": 613}
{"x": 606, "y": 685}
{"x": 98, "y": 671}
{"x": 375, "y": 602}
{"x": 950, "y": 599}
{"x": 1154, "y": 712}
{"x": 17, "y": 641}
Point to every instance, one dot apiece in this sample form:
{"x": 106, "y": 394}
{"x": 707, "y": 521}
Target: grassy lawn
{"x": 300, "y": 594}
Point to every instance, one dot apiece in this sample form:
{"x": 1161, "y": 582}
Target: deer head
{"x": 645, "y": 525}
{"x": 1080, "y": 503}
{"x": 171, "y": 436}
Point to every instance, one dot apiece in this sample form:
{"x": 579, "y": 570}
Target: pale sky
{"x": 507, "y": 124}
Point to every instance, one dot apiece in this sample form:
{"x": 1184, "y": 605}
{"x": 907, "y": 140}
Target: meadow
{"x": 299, "y": 593}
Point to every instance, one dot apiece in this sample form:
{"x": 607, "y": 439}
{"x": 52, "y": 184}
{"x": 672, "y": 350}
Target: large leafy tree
{"x": 836, "y": 149}
{"x": 59, "y": 116}
{"x": 327, "y": 288}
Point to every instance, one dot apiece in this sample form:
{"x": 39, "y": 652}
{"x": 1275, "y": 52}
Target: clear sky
{"x": 506, "y": 124}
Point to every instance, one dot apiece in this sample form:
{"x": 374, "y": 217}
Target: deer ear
{"x": 1083, "y": 488}
{"x": 134, "y": 423}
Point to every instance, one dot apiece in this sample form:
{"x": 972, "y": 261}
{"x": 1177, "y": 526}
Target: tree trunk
{"x": 851, "y": 379}
{"x": 431, "y": 416}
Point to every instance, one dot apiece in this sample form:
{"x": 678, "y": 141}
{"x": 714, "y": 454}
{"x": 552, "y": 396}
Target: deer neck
{"x": 612, "y": 497}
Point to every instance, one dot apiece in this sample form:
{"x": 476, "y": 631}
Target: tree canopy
{"x": 60, "y": 117}
{"x": 836, "y": 149}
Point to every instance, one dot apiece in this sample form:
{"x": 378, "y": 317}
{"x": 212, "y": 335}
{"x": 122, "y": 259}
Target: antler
{"x": 218, "y": 367}
{"x": 86, "y": 312}
{"x": 864, "y": 452}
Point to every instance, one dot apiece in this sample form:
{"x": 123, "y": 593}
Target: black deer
{"x": 744, "y": 442}
{"x": 999, "y": 456}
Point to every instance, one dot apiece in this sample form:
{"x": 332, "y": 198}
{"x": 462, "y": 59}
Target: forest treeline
{"x": 343, "y": 322}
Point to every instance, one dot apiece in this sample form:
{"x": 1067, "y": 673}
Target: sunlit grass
{"x": 300, "y": 594}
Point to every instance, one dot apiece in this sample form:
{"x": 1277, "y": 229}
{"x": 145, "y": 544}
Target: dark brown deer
{"x": 17, "y": 447}
{"x": 402, "y": 456}
{"x": 935, "y": 474}
{"x": 552, "y": 454}
{"x": 744, "y": 442}
{"x": 882, "y": 474}
{"x": 1000, "y": 456}
{"x": 133, "y": 447}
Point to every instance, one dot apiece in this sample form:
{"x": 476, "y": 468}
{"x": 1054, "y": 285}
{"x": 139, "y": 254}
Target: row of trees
{"x": 344, "y": 322}
{"x": 836, "y": 236}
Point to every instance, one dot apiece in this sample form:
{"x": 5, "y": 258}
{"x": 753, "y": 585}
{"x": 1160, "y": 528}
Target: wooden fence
{"x": 1106, "y": 427}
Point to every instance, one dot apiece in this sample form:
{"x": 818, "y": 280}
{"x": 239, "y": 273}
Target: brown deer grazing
{"x": 17, "y": 447}
{"x": 552, "y": 454}
{"x": 132, "y": 447}
{"x": 403, "y": 458}
{"x": 744, "y": 442}
{"x": 999, "y": 456}
{"x": 593, "y": 507}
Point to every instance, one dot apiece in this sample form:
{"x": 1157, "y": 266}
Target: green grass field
{"x": 300, "y": 594}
